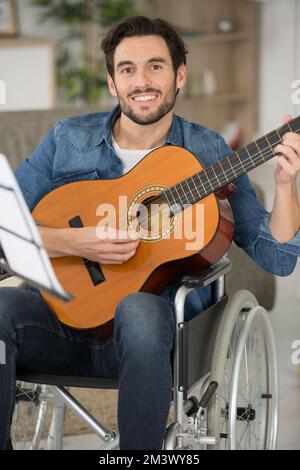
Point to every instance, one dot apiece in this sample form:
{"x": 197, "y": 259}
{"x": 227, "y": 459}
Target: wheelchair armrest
{"x": 205, "y": 278}
{"x": 7, "y": 280}
{"x": 4, "y": 275}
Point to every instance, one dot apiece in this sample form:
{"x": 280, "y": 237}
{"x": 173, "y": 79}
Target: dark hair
{"x": 143, "y": 26}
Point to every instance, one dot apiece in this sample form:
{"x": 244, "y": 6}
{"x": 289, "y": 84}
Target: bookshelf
{"x": 222, "y": 66}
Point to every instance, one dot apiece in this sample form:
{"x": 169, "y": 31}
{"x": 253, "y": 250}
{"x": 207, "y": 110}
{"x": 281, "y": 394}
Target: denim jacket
{"x": 80, "y": 148}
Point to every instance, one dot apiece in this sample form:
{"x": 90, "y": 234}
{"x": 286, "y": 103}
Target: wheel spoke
{"x": 27, "y": 414}
{"x": 248, "y": 377}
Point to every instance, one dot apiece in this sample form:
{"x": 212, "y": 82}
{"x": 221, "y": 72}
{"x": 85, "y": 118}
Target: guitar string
{"x": 195, "y": 191}
{"x": 240, "y": 165}
{"x": 256, "y": 157}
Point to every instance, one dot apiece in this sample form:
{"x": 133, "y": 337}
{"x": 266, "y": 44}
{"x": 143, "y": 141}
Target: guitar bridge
{"x": 93, "y": 267}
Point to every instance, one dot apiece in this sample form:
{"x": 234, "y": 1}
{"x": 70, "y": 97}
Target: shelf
{"x": 229, "y": 59}
{"x": 24, "y": 41}
{"x": 222, "y": 98}
{"x": 216, "y": 38}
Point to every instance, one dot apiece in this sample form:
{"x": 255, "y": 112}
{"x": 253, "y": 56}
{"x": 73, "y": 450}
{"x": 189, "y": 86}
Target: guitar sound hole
{"x": 153, "y": 216}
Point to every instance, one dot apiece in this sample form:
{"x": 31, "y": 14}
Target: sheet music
{"x": 19, "y": 238}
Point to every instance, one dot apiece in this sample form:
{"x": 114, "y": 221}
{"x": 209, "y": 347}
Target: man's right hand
{"x": 105, "y": 246}
{"x": 95, "y": 244}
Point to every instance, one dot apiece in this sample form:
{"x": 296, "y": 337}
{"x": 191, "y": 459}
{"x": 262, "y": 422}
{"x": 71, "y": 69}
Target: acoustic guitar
{"x": 177, "y": 206}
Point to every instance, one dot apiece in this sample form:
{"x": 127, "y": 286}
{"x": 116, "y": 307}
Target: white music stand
{"x": 21, "y": 248}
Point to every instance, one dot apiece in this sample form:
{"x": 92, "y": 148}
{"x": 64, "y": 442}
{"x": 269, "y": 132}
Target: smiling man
{"x": 146, "y": 63}
{"x": 146, "y": 85}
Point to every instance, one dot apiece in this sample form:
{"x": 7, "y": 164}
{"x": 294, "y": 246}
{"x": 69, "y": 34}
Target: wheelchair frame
{"x": 198, "y": 338}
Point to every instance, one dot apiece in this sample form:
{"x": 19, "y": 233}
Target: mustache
{"x": 140, "y": 91}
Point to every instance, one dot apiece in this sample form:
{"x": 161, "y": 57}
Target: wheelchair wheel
{"x": 30, "y": 423}
{"x": 243, "y": 414}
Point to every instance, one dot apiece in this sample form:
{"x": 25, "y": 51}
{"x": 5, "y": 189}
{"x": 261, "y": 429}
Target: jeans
{"x": 139, "y": 354}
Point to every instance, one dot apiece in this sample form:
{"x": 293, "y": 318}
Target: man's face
{"x": 144, "y": 79}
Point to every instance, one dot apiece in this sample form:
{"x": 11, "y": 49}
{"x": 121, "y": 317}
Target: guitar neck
{"x": 214, "y": 177}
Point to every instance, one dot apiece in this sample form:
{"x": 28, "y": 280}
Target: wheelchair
{"x": 227, "y": 354}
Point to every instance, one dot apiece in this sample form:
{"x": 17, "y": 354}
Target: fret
{"x": 187, "y": 192}
{"x": 217, "y": 179}
{"x": 190, "y": 191}
{"x": 263, "y": 146}
{"x": 223, "y": 171}
{"x": 269, "y": 143}
{"x": 241, "y": 157}
{"x": 235, "y": 164}
{"x": 282, "y": 130}
{"x": 231, "y": 167}
{"x": 197, "y": 190}
{"x": 181, "y": 193}
{"x": 178, "y": 205}
{"x": 166, "y": 196}
{"x": 226, "y": 170}
{"x": 295, "y": 125}
{"x": 279, "y": 136}
{"x": 208, "y": 177}
{"x": 198, "y": 176}
{"x": 179, "y": 200}
{"x": 254, "y": 152}
{"x": 170, "y": 190}
{"x": 273, "y": 139}
{"x": 257, "y": 149}
{"x": 246, "y": 159}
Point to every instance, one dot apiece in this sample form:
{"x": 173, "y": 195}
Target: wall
{"x": 30, "y": 25}
{"x": 279, "y": 66}
{"x": 29, "y": 22}
{"x": 279, "y": 63}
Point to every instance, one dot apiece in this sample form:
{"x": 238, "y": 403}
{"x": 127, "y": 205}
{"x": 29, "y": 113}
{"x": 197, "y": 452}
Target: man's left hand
{"x": 288, "y": 158}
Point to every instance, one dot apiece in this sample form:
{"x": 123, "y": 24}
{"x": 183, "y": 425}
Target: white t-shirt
{"x": 129, "y": 157}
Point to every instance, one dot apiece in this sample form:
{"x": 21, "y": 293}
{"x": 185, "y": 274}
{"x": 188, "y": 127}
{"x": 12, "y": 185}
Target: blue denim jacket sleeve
{"x": 252, "y": 232}
{"x": 35, "y": 173}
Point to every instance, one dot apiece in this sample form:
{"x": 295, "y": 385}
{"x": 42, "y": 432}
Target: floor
{"x": 285, "y": 333}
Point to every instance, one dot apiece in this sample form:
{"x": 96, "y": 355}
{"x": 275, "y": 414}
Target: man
{"x": 146, "y": 62}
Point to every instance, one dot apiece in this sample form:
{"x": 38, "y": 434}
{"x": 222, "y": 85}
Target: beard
{"x": 164, "y": 108}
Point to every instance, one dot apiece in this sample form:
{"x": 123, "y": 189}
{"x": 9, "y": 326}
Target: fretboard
{"x": 238, "y": 163}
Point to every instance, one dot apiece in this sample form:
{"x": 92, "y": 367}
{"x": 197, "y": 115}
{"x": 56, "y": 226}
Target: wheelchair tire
{"x": 243, "y": 414}
{"x": 30, "y": 423}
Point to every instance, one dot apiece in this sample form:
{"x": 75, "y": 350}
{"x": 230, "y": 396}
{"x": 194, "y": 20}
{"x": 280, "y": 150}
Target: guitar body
{"x": 159, "y": 257}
